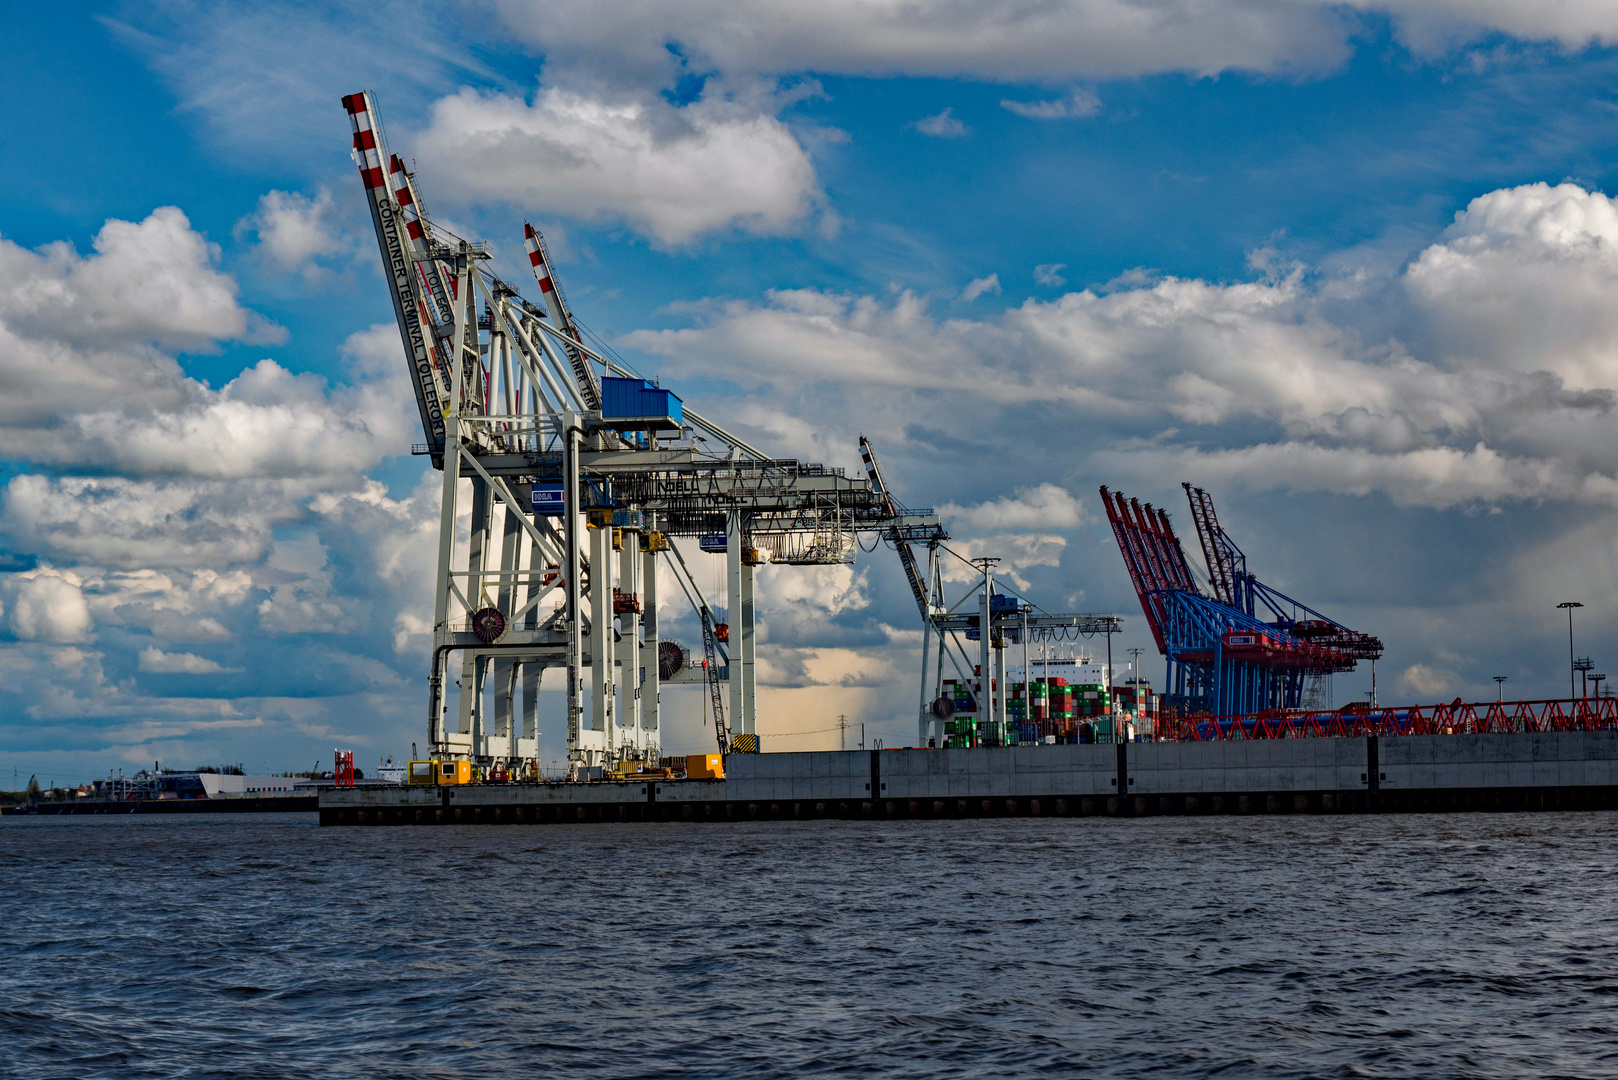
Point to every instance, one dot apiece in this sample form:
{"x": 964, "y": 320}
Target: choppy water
{"x": 1478, "y": 945}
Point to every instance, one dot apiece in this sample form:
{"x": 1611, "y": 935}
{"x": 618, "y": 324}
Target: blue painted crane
{"x": 1246, "y": 647}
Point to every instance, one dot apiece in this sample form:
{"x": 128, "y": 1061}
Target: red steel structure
{"x": 1244, "y": 649}
{"x": 1455, "y": 718}
{"x": 343, "y": 774}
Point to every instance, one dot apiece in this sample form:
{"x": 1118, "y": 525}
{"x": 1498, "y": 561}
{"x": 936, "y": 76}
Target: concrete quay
{"x": 1373, "y": 774}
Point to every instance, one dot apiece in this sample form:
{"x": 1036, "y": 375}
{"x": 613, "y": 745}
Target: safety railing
{"x": 1454, "y": 718}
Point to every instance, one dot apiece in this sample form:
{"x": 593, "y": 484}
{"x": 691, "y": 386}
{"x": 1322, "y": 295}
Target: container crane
{"x": 580, "y": 475}
{"x": 999, "y": 619}
{"x": 1246, "y": 648}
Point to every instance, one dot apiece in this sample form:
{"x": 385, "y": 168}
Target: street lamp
{"x": 1596, "y": 678}
{"x": 1570, "y": 605}
{"x": 1499, "y": 687}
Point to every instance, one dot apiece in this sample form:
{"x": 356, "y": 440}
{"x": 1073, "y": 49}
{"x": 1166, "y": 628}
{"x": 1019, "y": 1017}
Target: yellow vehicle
{"x": 704, "y": 767}
{"x": 440, "y": 772}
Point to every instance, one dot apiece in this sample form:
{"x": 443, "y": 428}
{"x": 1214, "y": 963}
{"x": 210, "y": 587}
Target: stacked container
{"x": 961, "y": 730}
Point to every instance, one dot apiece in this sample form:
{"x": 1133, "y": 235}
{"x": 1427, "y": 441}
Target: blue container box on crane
{"x": 640, "y": 404}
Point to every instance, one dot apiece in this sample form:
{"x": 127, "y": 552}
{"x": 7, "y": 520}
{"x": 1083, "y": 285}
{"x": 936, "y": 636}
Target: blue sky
{"x": 1348, "y": 266}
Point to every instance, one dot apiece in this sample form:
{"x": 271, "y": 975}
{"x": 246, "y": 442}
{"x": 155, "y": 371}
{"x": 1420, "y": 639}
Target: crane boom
{"x": 710, "y": 647}
{"x": 399, "y": 262}
{"x": 1227, "y": 566}
{"x": 918, "y": 588}
{"x": 442, "y": 313}
{"x": 589, "y": 387}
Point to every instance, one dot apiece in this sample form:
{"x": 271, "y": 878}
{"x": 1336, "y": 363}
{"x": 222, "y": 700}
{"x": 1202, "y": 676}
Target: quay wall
{"x": 1550, "y": 770}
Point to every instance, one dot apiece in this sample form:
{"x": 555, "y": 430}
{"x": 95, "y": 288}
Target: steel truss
{"x": 991, "y": 619}
{"x": 570, "y": 503}
{"x": 1245, "y": 649}
{"x": 1455, "y": 718}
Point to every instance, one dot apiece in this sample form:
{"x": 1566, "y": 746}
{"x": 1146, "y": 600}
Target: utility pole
{"x": 1570, "y": 605}
{"x": 1499, "y": 687}
{"x": 1584, "y": 665}
{"x": 842, "y": 731}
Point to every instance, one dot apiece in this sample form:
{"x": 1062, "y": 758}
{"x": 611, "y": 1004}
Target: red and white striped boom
{"x": 400, "y": 268}
{"x": 589, "y": 388}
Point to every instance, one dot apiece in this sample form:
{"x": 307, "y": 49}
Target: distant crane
{"x": 995, "y": 620}
{"x": 1246, "y": 648}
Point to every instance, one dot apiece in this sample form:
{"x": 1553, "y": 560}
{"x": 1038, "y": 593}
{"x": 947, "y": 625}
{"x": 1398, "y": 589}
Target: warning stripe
{"x": 365, "y": 148}
{"x": 536, "y": 259}
{"x": 401, "y": 194}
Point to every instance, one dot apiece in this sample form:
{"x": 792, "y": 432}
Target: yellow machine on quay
{"x": 689, "y": 767}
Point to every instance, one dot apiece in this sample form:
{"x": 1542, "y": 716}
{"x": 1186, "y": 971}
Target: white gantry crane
{"x": 987, "y": 613}
{"x": 578, "y": 475}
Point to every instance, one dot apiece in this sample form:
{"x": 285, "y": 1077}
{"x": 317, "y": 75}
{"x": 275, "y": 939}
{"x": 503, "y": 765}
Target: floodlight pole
{"x": 1570, "y": 605}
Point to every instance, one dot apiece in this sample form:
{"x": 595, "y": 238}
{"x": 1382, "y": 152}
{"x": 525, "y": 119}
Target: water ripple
{"x": 263, "y": 946}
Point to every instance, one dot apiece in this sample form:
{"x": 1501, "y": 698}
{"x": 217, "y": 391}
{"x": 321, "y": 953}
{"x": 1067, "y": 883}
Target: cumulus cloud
{"x": 1044, "y": 506}
{"x": 117, "y": 521}
{"x": 260, "y": 73}
{"x": 1521, "y": 281}
{"x": 1078, "y": 105}
{"x": 979, "y": 286}
{"x": 89, "y": 381}
{"x": 674, "y": 173}
{"x": 82, "y": 334}
{"x": 1050, "y": 274}
{"x": 1494, "y": 386}
{"x": 294, "y": 232}
{"x": 1425, "y": 682}
{"x": 48, "y": 605}
{"x": 1016, "y": 553}
{"x": 941, "y": 125}
{"x": 158, "y": 662}
{"x": 157, "y": 510}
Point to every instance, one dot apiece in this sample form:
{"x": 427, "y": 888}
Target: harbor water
{"x": 1476, "y": 945}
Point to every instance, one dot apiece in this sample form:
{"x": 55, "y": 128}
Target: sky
{"x": 1349, "y": 266}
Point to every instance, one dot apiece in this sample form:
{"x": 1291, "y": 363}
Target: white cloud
{"x": 294, "y": 231}
{"x": 1436, "y": 25}
{"x": 1080, "y": 104}
{"x": 159, "y": 662}
{"x": 1043, "y": 506}
{"x": 941, "y": 125}
{"x": 978, "y": 286}
{"x": 1439, "y": 477}
{"x": 650, "y": 44}
{"x": 1029, "y": 42}
{"x": 266, "y": 76}
{"x": 1050, "y": 274}
{"x": 89, "y": 384}
{"x": 1523, "y": 281}
{"x": 47, "y": 605}
{"x": 1495, "y": 384}
{"x": 674, "y": 173}
{"x": 1427, "y": 683}
{"x": 151, "y": 281}
{"x": 1015, "y": 552}
{"x": 115, "y": 521}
